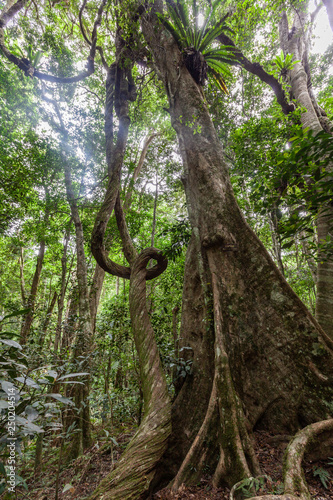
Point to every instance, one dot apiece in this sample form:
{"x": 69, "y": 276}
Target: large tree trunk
{"x": 296, "y": 43}
{"x": 255, "y": 346}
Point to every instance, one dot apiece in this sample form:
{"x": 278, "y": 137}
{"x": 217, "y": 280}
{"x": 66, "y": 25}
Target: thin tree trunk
{"x": 84, "y": 334}
{"x": 63, "y": 287}
{"x": 308, "y": 257}
{"x": 273, "y": 224}
{"x": 148, "y": 140}
{"x": 95, "y": 293}
{"x": 47, "y": 319}
{"x": 152, "y": 243}
{"x": 71, "y": 320}
{"x": 22, "y": 283}
{"x": 31, "y": 302}
{"x": 296, "y": 43}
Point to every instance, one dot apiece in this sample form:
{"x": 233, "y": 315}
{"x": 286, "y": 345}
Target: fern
{"x": 323, "y": 475}
{"x": 193, "y": 41}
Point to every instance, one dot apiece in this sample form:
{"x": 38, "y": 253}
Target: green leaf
{"x": 31, "y": 413}
{"x": 59, "y": 397}
{"x": 323, "y": 475}
{"x": 28, "y": 381}
{"x": 210, "y": 36}
{"x": 16, "y": 313}
{"x": 72, "y": 375}
{"x": 11, "y": 343}
{"x": 8, "y": 387}
{"x": 173, "y": 31}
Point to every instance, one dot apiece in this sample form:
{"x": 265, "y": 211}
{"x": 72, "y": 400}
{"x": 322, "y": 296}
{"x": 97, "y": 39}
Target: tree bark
{"x": 22, "y": 283}
{"x": 137, "y": 467}
{"x": 84, "y": 333}
{"x": 70, "y": 323}
{"x": 240, "y": 319}
{"x": 95, "y": 294}
{"x": 273, "y": 224}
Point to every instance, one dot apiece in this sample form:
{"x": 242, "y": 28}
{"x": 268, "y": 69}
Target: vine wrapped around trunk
{"x": 135, "y": 470}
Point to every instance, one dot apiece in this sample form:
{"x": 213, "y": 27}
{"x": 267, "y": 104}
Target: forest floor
{"x": 83, "y": 475}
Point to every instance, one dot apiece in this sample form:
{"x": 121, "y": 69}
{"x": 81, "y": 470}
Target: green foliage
{"x": 283, "y": 64}
{"x": 248, "y": 485}
{"x": 323, "y": 475}
{"x": 193, "y": 40}
{"x": 25, "y": 407}
{"x": 305, "y": 181}
{"x": 177, "y": 238}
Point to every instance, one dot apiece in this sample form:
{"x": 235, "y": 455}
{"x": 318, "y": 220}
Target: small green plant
{"x": 283, "y": 64}
{"x": 249, "y": 485}
{"x": 323, "y": 475}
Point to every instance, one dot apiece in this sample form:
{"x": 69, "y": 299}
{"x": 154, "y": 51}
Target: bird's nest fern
{"x": 195, "y": 42}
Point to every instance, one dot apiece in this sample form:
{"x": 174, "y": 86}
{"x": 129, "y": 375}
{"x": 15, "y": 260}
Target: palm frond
{"x": 174, "y": 14}
{"x": 208, "y": 15}
{"x": 219, "y": 67}
{"x": 196, "y": 30}
{"x": 215, "y": 4}
{"x": 195, "y": 43}
{"x": 218, "y": 80}
{"x": 172, "y": 30}
{"x": 183, "y": 14}
{"x": 212, "y": 33}
{"x": 221, "y": 56}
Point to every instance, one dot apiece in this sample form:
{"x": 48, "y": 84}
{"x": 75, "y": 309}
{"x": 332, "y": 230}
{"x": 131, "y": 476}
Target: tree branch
{"x": 26, "y": 66}
{"x": 6, "y": 16}
{"x": 258, "y": 70}
{"x": 329, "y": 9}
{"x": 83, "y": 31}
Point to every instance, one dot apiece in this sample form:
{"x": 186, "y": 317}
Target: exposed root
{"x": 294, "y": 482}
{"x": 237, "y": 457}
{"x": 295, "y": 487}
{"x": 195, "y": 455}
